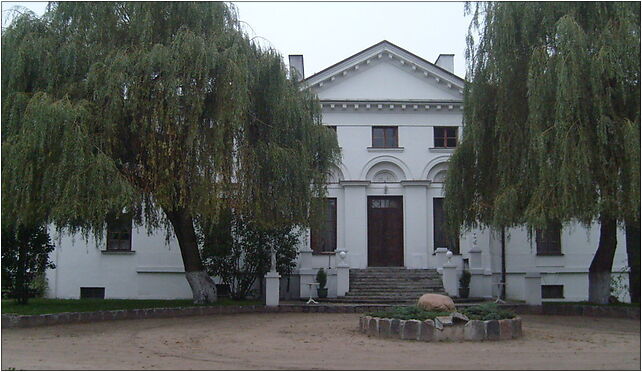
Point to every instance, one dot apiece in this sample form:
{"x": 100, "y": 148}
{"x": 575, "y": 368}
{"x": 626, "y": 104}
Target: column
{"x": 356, "y": 221}
{"x": 415, "y": 223}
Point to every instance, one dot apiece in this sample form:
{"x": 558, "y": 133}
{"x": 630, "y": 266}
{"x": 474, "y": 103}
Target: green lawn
{"x": 50, "y": 306}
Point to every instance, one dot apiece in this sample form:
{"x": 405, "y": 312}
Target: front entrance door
{"x": 385, "y": 231}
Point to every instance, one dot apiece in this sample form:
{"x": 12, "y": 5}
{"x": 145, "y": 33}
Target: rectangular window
{"x": 324, "y": 238}
{"x": 445, "y": 137}
{"x": 548, "y": 240}
{"x": 119, "y": 233}
{"x": 552, "y": 291}
{"x": 384, "y": 137}
{"x": 92, "y": 292}
{"x": 441, "y": 238}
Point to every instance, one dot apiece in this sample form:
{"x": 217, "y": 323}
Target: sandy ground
{"x": 313, "y": 341}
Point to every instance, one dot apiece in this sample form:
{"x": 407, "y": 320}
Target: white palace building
{"x": 398, "y": 119}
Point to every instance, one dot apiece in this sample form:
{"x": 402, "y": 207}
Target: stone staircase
{"x": 391, "y": 285}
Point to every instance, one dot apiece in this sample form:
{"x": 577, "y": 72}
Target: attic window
{"x": 385, "y": 137}
{"x": 445, "y": 137}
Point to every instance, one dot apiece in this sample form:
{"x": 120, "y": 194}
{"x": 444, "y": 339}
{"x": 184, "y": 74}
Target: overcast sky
{"x": 327, "y": 32}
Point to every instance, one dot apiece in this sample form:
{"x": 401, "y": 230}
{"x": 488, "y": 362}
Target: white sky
{"x": 327, "y": 32}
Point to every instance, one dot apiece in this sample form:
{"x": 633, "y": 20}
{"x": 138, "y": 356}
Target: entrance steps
{"x": 391, "y": 285}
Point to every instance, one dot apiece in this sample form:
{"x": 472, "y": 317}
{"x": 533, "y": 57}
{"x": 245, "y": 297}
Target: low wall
{"x": 22, "y": 321}
{"x": 553, "y": 308}
{"x": 472, "y": 330}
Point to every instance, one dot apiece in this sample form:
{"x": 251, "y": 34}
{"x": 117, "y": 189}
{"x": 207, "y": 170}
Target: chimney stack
{"x": 296, "y": 63}
{"x": 447, "y": 62}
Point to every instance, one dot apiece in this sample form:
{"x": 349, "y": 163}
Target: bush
{"x": 407, "y": 313}
{"x": 25, "y": 258}
{"x": 239, "y": 252}
{"x": 487, "y": 311}
{"x": 322, "y": 278}
{"x": 464, "y": 280}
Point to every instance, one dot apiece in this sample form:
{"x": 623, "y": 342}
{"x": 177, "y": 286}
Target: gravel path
{"x": 313, "y": 341}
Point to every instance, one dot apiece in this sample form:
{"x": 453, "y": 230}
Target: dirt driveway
{"x": 313, "y": 341}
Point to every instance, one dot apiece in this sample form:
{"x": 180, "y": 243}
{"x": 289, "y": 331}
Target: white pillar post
{"x": 343, "y": 274}
{"x": 533, "y": 288}
{"x": 449, "y": 277}
{"x": 272, "y": 279}
{"x": 440, "y": 255}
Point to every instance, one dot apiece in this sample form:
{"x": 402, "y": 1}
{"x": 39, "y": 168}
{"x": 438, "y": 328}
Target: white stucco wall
{"x": 153, "y": 270}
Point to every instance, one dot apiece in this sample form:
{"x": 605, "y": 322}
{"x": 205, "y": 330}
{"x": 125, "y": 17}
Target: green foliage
{"x": 464, "y": 279}
{"x": 153, "y": 107}
{"x": 25, "y": 258}
{"x": 552, "y": 113}
{"x": 321, "y": 278}
{"x": 487, "y": 311}
{"x": 238, "y": 250}
{"x": 407, "y": 313}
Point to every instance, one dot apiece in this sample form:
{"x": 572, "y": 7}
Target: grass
{"x": 52, "y": 306}
{"x": 488, "y": 311}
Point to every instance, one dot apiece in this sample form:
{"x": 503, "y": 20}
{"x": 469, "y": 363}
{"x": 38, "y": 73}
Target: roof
{"x": 383, "y": 45}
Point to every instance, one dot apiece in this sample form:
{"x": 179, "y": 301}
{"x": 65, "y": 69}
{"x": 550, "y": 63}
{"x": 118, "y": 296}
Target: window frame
{"x": 443, "y": 137}
{"x": 385, "y": 138}
{"x": 113, "y": 228}
{"x": 546, "y": 290}
{"x": 547, "y": 246}
{"x": 315, "y": 240}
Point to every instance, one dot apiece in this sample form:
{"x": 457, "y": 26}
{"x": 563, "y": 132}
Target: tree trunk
{"x": 633, "y": 256}
{"x": 600, "y": 269}
{"x": 203, "y": 287}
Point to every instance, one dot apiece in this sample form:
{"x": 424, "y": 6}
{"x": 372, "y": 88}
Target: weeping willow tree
{"x": 168, "y": 111}
{"x": 552, "y": 124}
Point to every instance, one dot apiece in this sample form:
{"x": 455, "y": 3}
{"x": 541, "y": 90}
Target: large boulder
{"x": 436, "y": 302}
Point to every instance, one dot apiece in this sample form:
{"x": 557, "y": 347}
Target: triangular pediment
{"x": 386, "y": 72}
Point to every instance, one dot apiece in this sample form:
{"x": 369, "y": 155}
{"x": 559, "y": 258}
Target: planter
{"x": 322, "y": 292}
{"x": 464, "y": 292}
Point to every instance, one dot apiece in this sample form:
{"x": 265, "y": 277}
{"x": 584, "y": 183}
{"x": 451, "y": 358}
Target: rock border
{"x": 416, "y": 330}
{"x": 25, "y": 321}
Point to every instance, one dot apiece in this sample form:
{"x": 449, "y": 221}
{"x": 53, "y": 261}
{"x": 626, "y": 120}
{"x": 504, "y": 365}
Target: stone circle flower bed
{"x": 475, "y": 323}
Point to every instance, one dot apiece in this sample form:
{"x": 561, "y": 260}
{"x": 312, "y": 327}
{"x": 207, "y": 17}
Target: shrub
{"x": 487, "y": 311}
{"x": 322, "y": 278}
{"x": 238, "y": 250}
{"x": 25, "y": 258}
{"x": 407, "y": 313}
{"x": 464, "y": 280}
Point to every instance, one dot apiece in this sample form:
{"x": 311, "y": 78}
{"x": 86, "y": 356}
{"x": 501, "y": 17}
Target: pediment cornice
{"x": 393, "y": 54}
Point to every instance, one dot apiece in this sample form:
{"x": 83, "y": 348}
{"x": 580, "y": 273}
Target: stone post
{"x": 533, "y": 288}
{"x": 475, "y": 254}
{"x": 480, "y": 280}
{"x": 449, "y": 277}
{"x": 272, "y": 279}
{"x": 440, "y": 255}
{"x": 343, "y": 274}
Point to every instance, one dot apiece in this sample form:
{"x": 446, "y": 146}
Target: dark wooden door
{"x": 385, "y": 231}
